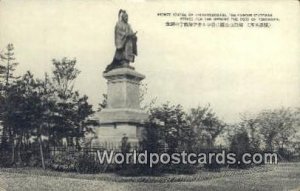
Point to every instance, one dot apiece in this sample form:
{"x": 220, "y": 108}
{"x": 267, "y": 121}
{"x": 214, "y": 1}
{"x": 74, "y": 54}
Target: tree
{"x": 71, "y": 118}
{"x": 9, "y": 65}
{"x": 277, "y": 127}
{"x": 7, "y": 85}
{"x": 103, "y": 104}
{"x": 206, "y": 125}
{"x": 31, "y": 108}
{"x": 10, "y": 116}
{"x": 251, "y": 125}
{"x": 240, "y": 144}
{"x": 27, "y": 110}
{"x": 83, "y": 122}
{"x": 174, "y": 130}
{"x": 64, "y": 74}
{"x": 41, "y": 106}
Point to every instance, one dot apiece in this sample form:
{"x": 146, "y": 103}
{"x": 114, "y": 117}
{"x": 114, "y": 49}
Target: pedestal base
{"x": 122, "y": 117}
{"x": 109, "y": 136}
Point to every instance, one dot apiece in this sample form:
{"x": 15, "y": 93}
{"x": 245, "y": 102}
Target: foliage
{"x": 251, "y": 125}
{"x": 87, "y": 164}
{"x": 66, "y": 162}
{"x": 103, "y": 104}
{"x": 285, "y": 154}
{"x": 240, "y": 144}
{"x": 74, "y": 162}
{"x": 7, "y": 81}
{"x": 8, "y": 67}
{"x": 64, "y": 74}
{"x": 269, "y": 130}
{"x": 206, "y": 126}
{"x": 71, "y": 119}
{"x": 32, "y": 109}
{"x": 277, "y": 127}
{"x": 174, "y": 130}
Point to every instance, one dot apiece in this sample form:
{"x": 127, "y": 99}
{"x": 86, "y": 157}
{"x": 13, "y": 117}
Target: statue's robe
{"x": 126, "y": 48}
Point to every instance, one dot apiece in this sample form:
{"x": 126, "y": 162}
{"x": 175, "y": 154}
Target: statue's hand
{"x": 132, "y": 35}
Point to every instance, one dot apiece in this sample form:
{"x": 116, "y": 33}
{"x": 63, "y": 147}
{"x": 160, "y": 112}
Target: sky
{"x": 235, "y": 70}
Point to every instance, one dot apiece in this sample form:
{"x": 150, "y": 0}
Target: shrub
{"x": 34, "y": 161}
{"x": 75, "y": 162}
{"x": 285, "y": 154}
{"x": 239, "y": 145}
{"x": 63, "y": 162}
{"x": 212, "y": 165}
{"x": 5, "y": 159}
{"x": 87, "y": 164}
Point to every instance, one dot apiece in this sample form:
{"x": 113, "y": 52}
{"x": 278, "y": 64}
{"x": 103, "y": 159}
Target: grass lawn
{"x": 284, "y": 176}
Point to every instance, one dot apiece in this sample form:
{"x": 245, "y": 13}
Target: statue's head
{"x": 123, "y": 16}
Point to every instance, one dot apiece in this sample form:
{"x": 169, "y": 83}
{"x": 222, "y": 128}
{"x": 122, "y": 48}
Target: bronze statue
{"x": 125, "y": 42}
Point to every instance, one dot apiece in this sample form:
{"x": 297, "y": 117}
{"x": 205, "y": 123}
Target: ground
{"x": 284, "y": 176}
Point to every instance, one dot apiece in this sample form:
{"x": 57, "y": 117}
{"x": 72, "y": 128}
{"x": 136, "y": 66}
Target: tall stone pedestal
{"x": 123, "y": 115}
